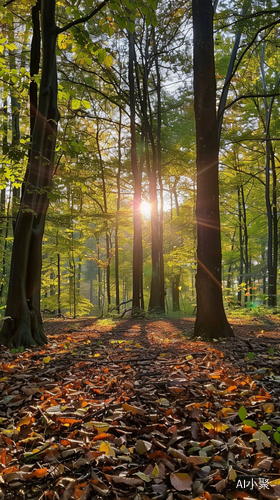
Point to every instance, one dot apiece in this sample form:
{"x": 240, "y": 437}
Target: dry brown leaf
{"x": 142, "y": 447}
{"x": 130, "y": 481}
{"x": 134, "y": 409}
{"x": 181, "y": 481}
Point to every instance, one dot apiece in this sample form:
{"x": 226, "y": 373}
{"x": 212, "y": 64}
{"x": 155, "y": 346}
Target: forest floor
{"x": 137, "y": 410}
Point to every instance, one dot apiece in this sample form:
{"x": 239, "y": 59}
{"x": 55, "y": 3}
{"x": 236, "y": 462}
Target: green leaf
{"x": 242, "y": 413}
{"x": 250, "y": 422}
{"x": 122, "y": 23}
{"x": 276, "y": 436}
{"x": 101, "y": 55}
{"x": 251, "y": 355}
{"x": 271, "y": 350}
{"x": 266, "y": 427}
{"x": 131, "y": 27}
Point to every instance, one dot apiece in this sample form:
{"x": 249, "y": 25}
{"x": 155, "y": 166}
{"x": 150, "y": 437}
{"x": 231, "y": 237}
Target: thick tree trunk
{"x": 211, "y": 321}
{"x": 23, "y": 305}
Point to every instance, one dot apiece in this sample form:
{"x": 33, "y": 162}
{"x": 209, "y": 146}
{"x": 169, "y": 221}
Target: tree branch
{"x": 8, "y": 3}
{"x": 248, "y": 96}
{"x": 82, "y": 19}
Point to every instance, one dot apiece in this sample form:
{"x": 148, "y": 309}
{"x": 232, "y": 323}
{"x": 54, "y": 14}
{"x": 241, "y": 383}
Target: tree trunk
{"x": 137, "y": 266}
{"x": 58, "y": 278}
{"x": 23, "y": 304}
{"x": 211, "y": 321}
{"x": 271, "y": 207}
{"x": 176, "y": 293}
{"x": 117, "y": 215}
{"x": 105, "y": 211}
{"x": 241, "y": 253}
{"x": 160, "y": 221}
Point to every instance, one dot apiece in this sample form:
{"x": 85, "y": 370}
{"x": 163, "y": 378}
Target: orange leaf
{"x": 248, "y": 429}
{"x": 68, "y": 420}
{"x": 3, "y": 457}
{"x": 206, "y": 495}
{"x": 39, "y": 473}
{"x": 104, "y": 435}
{"x": 65, "y": 442}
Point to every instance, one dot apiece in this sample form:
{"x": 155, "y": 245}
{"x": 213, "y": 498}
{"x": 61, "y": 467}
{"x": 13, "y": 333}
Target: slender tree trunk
{"x": 58, "y": 278}
{"x": 99, "y": 283}
{"x": 271, "y": 207}
{"x": 23, "y": 304}
{"x": 241, "y": 243}
{"x": 137, "y": 266}
{"x": 4, "y": 255}
{"x": 108, "y": 285}
{"x": 211, "y": 321}
{"x": 176, "y": 293}
{"x": 160, "y": 222}
{"x": 246, "y": 249}
{"x": 117, "y": 216}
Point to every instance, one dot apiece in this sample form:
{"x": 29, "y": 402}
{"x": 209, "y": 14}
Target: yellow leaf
{"x": 189, "y": 356}
{"x": 155, "y": 472}
{"x": 138, "y": 345}
{"x": 97, "y": 354}
{"x": 46, "y": 360}
{"x": 231, "y": 474}
{"x": 268, "y": 408}
{"x": 208, "y": 425}
{"x": 107, "y": 448}
{"x": 275, "y": 482}
{"x": 61, "y": 41}
{"x": 227, "y": 411}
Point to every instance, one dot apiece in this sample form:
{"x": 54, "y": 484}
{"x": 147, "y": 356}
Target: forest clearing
{"x": 136, "y": 410}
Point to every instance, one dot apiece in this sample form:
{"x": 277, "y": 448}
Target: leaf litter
{"x": 135, "y": 410}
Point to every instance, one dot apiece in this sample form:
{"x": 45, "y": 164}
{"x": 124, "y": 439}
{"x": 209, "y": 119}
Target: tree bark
{"x": 117, "y": 215}
{"x": 137, "y": 265}
{"x": 23, "y": 304}
{"x": 211, "y": 321}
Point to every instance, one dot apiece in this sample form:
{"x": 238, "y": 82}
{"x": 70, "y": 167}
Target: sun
{"x": 145, "y": 208}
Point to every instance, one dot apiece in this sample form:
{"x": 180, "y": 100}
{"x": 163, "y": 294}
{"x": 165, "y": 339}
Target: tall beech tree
{"x": 211, "y": 321}
{"x": 24, "y": 323}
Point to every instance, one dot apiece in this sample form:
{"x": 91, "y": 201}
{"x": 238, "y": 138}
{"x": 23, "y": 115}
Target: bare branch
{"x": 248, "y": 96}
